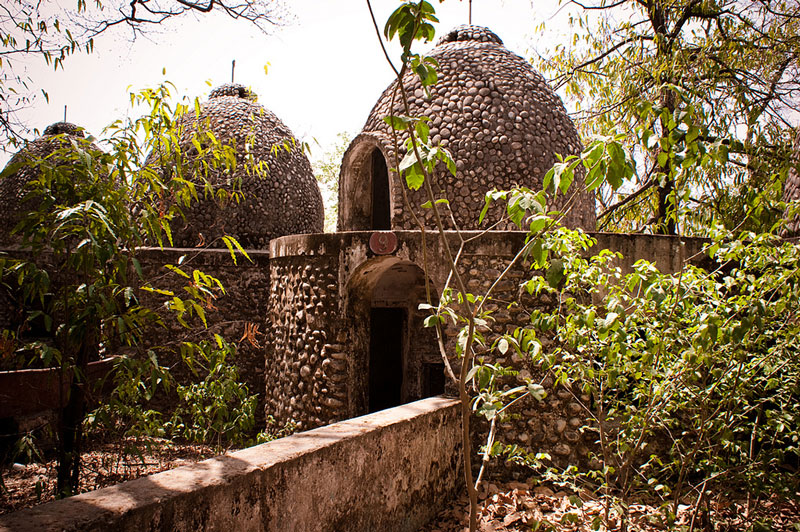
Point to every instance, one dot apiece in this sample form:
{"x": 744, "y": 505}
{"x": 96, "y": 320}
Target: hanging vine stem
{"x": 407, "y": 203}
{"x": 468, "y": 356}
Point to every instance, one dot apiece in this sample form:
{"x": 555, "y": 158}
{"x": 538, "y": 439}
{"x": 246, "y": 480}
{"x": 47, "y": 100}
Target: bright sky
{"x": 326, "y": 68}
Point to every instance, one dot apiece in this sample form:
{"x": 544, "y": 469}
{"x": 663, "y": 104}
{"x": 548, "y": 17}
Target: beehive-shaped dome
{"x": 497, "y": 117}
{"x": 23, "y": 168}
{"x": 283, "y": 200}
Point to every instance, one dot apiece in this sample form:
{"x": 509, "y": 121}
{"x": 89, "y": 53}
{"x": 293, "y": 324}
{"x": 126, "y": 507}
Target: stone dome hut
{"x": 283, "y": 200}
{"x": 498, "y": 118}
{"x": 13, "y": 186}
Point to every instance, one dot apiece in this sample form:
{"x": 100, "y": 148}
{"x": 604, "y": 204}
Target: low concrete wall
{"x": 392, "y": 470}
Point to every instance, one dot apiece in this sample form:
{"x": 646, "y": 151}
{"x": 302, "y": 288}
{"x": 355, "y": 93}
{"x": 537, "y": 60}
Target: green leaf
{"x": 502, "y": 346}
{"x": 537, "y": 391}
{"x": 233, "y": 245}
{"x": 555, "y": 273}
{"x": 414, "y": 178}
{"x": 399, "y": 123}
{"x": 538, "y": 223}
{"x": 432, "y": 321}
{"x": 538, "y": 253}
{"x": 12, "y": 168}
{"x": 595, "y": 176}
{"x": 177, "y": 270}
{"x": 488, "y": 198}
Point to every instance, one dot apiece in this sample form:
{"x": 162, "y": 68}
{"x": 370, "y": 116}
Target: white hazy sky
{"x": 326, "y": 69}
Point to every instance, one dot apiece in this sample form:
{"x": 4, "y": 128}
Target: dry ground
{"x": 504, "y": 507}
{"x": 103, "y": 465}
{"x": 515, "y": 506}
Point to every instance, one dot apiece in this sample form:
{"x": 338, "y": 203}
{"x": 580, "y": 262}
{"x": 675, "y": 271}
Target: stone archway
{"x": 365, "y": 190}
{"x": 395, "y": 359}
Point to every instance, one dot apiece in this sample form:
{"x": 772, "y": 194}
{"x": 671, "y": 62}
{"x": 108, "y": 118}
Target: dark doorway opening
{"x": 387, "y": 335}
{"x": 381, "y": 215}
{"x": 432, "y": 379}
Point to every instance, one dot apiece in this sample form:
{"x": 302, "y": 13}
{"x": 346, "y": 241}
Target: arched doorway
{"x": 381, "y": 210}
{"x": 387, "y": 339}
{"x": 396, "y": 359}
{"x": 365, "y": 202}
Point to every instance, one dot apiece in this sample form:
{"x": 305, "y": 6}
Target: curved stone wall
{"x": 306, "y": 368}
{"x": 315, "y": 280}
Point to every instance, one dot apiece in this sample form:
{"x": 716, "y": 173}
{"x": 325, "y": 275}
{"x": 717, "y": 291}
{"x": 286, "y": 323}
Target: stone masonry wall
{"x": 392, "y": 470}
{"x": 550, "y": 426}
{"x": 305, "y": 368}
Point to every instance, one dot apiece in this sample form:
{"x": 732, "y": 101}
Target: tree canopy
{"x": 52, "y": 31}
{"x": 713, "y": 82}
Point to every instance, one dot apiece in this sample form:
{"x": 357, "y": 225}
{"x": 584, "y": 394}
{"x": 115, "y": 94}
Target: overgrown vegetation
{"x": 78, "y": 279}
{"x": 692, "y": 378}
{"x": 732, "y": 64}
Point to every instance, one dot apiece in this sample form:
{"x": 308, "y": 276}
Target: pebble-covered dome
{"x": 498, "y": 118}
{"x": 284, "y": 200}
{"x": 13, "y": 186}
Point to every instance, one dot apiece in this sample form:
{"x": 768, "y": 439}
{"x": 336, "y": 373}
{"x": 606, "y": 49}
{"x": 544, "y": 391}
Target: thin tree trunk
{"x": 72, "y": 416}
{"x": 667, "y": 210}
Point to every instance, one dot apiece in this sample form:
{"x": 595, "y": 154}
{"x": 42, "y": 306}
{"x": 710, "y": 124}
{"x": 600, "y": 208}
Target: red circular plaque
{"x": 383, "y": 242}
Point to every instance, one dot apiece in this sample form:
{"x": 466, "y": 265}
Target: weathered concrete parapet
{"x": 392, "y": 470}
{"x": 352, "y": 247}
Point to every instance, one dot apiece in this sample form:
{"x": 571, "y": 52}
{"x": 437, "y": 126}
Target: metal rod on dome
{"x": 65, "y": 113}
{"x": 233, "y": 67}
{"x": 470, "y": 12}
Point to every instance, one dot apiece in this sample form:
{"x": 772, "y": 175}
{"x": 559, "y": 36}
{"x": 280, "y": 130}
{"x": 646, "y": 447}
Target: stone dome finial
{"x": 283, "y": 199}
{"x": 470, "y": 33}
{"x": 233, "y": 89}
{"x": 498, "y": 118}
{"x": 67, "y": 128}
